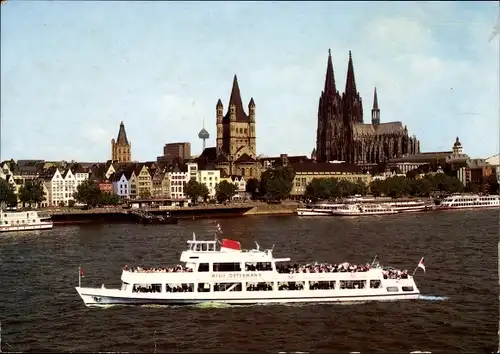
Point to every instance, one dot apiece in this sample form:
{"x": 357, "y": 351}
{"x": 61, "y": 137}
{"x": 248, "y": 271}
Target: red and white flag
{"x": 230, "y": 245}
{"x": 421, "y": 264}
{"x": 219, "y": 229}
{"x": 82, "y": 275}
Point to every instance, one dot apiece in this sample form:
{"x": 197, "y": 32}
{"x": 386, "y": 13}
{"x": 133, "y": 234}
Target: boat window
{"x": 407, "y": 288}
{"x": 375, "y": 284}
{"x": 322, "y": 285}
{"x": 258, "y": 266}
{"x": 203, "y": 267}
{"x": 33, "y": 220}
{"x": 203, "y": 287}
{"x": 291, "y": 285}
{"x": 352, "y": 284}
{"x": 124, "y": 286}
{"x": 392, "y": 289}
{"x": 6, "y": 222}
{"x": 262, "y": 286}
{"x": 179, "y": 288}
{"x": 146, "y": 288}
{"x": 227, "y": 267}
{"x": 228, "y": 286}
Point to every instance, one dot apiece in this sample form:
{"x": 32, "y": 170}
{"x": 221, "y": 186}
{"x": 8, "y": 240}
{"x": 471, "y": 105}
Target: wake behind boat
{"x": 234, "y": 276}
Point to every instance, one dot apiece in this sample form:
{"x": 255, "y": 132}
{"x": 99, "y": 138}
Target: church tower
{"x": 353, "y": 107}
{"x": 121, "y": 148}
{"x": 375, "y": 110}
{"x": 236, "y": 130}
{"x": 329, "y": 131}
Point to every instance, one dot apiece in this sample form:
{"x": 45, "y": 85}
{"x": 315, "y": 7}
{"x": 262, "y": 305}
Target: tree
{"x": 195, "y": 190}
{"x": 277, "y": 183}
{"x": 109, "y": 199}
{"x": 7, "y": 194}
{"x": 88, "y": 193}
{"x": 224, "y": 191}
{"x": 252, "y": 187}
{"x": 145, "y": 194}
{"x": 31, "y": 192}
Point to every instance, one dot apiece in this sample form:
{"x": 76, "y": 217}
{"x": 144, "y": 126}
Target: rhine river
{"x": 41, "y": 311}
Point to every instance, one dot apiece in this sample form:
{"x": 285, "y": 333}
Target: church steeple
{"x": 352, "y": 103}
{"x": 330, "y": 76}
{"x": 236, "y": 102}
{"x": 122, "y": 135}
{"x": 350, "y": 84}
{"x": 375, "y": 110}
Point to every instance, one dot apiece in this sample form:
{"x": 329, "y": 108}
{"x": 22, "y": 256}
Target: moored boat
{"x": 469, "y": 201}
{"x": 364, "y": 209}
{"x": 229, "y": 274}
{"x": 409, "y": 206}
{"x": 23, "y": 221}
{"x": 322, "y": 209}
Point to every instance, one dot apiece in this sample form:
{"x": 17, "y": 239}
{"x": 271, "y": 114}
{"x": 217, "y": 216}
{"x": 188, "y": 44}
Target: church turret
{"x": 251, "y": 110}
{"x": 375, "y": 109}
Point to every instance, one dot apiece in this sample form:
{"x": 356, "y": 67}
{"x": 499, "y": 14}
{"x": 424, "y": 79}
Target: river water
{"x": 41, "y": 311}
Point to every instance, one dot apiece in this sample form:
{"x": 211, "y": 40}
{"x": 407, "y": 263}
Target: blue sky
{"x": 71, "y": 71}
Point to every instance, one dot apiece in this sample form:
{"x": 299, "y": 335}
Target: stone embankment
{"x": 285, "y": 208}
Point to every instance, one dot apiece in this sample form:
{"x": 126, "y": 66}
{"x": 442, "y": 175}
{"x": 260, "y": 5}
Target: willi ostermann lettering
{"x": 236, "y": 275}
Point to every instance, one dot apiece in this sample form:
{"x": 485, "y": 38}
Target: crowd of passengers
{"x": 395, "y": 274}
{"x": 260, "y": 287}
{"x": 322, "y": 268}
{"x": 258, "y": 267}
{"x": 177, "y": 269}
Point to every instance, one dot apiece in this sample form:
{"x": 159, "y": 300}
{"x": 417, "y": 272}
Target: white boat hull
{"x": 351, "y": 213}
{"x": 312, "y": 212}
{"x": 33, "y": 227}
{"x": 102, "y": 297}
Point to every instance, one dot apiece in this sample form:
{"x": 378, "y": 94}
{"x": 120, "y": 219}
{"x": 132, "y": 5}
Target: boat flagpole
{"x": 79, "y": 277}
{"x": 419, "y": 265}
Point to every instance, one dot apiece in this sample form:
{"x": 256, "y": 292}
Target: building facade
{"x": 121, "y": 148}
{"x": 342, "y": 134}
{"x": 176, "y": 151}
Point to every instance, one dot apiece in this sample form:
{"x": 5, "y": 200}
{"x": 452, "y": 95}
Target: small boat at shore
{"x": 213, "y": 272}
{"x": 323, "y": 209}
{"x": 23, "y": 221}
{"x": 364, "y": 209}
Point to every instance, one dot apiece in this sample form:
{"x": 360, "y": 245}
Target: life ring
{"x": 97, "y": 299}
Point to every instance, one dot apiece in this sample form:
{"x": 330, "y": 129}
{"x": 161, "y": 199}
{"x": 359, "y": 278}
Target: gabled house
{"x": 158, "y": 190}
{"x": 144, "y": 183}
{"x": 121, "y": 184}
{"x": 241, "y": 185}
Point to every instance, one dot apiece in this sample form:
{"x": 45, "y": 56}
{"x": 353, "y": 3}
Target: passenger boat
{"x": 23, "y": 221}
{"x": 471, "y": 201}
{"x": 225, "y": 273}
{"x": 324, "y": 209}
{"x": 364, "y": 209}
{"x": 409, "y": 206}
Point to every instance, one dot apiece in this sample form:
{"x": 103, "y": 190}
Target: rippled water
{"x": 41, "y": 311}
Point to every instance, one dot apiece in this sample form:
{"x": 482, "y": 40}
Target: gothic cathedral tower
{"x": 120, "y": 149}
{"x": 236, "y": 129}
{"x": 329, "y": 136}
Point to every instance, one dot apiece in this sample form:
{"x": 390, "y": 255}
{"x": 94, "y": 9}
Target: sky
{"x": 72, "y": 70}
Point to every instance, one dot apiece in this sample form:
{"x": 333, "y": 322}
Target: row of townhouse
{"x": 142, "y": 181}
{"x": 59, "y": 180}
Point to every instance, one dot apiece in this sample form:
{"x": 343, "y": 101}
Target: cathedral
{"x": 120, "y": 149}
{"x": 343, "y": 136}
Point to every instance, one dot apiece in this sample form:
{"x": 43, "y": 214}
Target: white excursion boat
{"x": 324, "y": 209}
{"x": 23, "y": 221}
{"x": 234, "y": 276}
{"x": 409, "y": 206}
{"x": 364, "y": 209}
{"x": 465, "y": 201}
